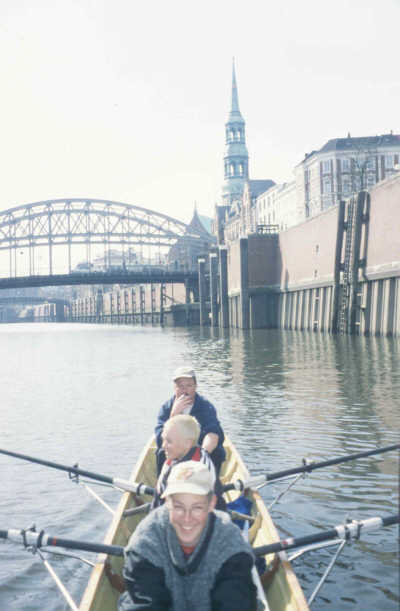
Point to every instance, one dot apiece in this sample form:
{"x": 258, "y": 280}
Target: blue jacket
{"x": 205, "y": 414}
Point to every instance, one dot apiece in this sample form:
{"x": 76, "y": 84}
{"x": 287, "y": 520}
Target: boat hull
{"x": 281, "y": 586}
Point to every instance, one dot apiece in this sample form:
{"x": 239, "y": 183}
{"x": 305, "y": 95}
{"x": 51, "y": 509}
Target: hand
{"x": 210, "y": 442}
{"x": 180, "y": 404}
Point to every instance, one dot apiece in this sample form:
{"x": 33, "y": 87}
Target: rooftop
{"x": 357, "y": 144}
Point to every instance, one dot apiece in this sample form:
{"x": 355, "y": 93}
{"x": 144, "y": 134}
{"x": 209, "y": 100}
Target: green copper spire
{"x": 235, "y": 112}
{"x": 235, "y": 99}
{"x": 236, "y": 158}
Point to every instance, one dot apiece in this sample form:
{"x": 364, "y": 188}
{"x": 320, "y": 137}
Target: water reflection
{"x": 292, "y": 395}
{"x": 281, "y": 396}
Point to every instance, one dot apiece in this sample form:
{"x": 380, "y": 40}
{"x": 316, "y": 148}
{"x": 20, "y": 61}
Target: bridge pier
{"x": 223, "y": 287}
{"x": 214, "y": 288}
{"x": 202, "y": 291}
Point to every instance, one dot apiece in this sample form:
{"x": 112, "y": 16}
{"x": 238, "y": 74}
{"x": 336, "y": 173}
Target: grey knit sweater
{"x": 189, "y": 581}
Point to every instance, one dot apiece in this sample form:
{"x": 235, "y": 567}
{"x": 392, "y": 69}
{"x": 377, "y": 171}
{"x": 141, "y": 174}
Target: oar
{"x": 257, "y": 480}
{"x": 123, "y": 484}
{"x": 31, "y": 538}
{"x": 350, "y": 530}
{"x": 353, "y": 529}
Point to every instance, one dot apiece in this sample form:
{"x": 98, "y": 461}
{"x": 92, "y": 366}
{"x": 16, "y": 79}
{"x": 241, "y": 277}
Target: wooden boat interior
{"x": 283, "y": 591}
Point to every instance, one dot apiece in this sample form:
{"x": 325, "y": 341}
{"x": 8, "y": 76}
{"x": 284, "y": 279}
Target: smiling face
{"x": 185, "y": 386}
{"x": 188, "y": 514}
{"x": 174, "y": 443}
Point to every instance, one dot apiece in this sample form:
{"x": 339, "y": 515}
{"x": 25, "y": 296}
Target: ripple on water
{"x": 91, "y": 394}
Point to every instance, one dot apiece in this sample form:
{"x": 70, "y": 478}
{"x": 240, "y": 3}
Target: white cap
{"x": 190, "y": 477}
{"x": 183, "y": 372}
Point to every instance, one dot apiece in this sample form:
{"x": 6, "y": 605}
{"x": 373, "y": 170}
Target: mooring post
{"x": 244, "y": 283}
{"x": 214, "y": 288}
{"x": 202, "y": 290}
{"x": 223, "y": 287}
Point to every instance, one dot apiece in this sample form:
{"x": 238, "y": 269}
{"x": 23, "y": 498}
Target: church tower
{"x": 236, "y": 158}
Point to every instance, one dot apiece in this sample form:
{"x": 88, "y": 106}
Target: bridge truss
{"x": 75, "y": 227}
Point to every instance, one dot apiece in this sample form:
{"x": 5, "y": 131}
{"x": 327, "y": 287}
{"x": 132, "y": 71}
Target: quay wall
{"x": 308, "y": 251}
{"x": 297, "y": 279}
{"x": 48, "y": 312}
{"x": 137, "y": 304}
{"x": 383, "y": 241}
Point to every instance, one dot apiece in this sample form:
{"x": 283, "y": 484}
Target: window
{"x": 232, "y": 169}
{"x": 371, "y": 165}
{"x": 327, "y": 185}
{"x": 371, "y": 180}
{"x": 389, "y": 162}
{"x": 326, "y": 167}
{"x": 346, "y": 186}
{"x": 346, "y": 165}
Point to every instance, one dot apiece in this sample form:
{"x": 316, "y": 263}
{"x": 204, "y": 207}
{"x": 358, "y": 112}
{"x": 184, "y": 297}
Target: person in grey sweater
{"x": 187, "y": 556}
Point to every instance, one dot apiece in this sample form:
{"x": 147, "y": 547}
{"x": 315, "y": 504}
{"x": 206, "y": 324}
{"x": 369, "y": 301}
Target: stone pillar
{"x": 244, "y": 284}
{"x": 202, "y": 290}
{"x": 60, "y": 312}
{"x": 223, "y": 288}
{"x": 162, "y": 301}
{"x": 142, "y": 303}
{"x": 214, "y": 289}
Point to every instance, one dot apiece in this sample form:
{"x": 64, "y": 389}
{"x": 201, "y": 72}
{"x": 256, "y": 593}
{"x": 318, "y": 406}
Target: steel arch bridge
{"x": 84, "y": 222}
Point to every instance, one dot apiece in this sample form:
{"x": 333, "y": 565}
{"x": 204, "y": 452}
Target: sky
{"x": 127, "y": 100}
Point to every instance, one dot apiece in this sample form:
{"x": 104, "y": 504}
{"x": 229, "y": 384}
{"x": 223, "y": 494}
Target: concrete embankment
{"x": 336, "y": 272}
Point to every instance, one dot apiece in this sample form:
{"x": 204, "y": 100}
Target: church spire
{"x": 236, "y": 158}
{"x": 235, "y": 98}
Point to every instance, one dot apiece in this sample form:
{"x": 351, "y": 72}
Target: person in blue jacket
{"x": 186, "y": 400}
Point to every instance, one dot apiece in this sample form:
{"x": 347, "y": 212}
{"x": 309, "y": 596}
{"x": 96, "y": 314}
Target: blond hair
{"x": 188, "y": 426}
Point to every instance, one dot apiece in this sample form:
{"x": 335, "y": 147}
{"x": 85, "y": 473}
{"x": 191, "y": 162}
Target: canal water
{"x": 90, "y": 394}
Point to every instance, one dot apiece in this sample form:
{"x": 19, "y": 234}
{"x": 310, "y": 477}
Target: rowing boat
{"x": 280, "y": 584}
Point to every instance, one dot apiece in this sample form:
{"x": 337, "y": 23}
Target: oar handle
{"x": 343, "y": 531}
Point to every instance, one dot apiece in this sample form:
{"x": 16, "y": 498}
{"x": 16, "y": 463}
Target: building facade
{"x": 276, "y": 208}
{"x": 341, "y": 168}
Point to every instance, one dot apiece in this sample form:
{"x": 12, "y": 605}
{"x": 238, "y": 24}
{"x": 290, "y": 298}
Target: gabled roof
{"x": 342, "y": 144}
{"x": 206, "y": 221}
{"x": 200, "y": 224}
{"x": 259, "y": 186}
{"x": 358, "y": 144}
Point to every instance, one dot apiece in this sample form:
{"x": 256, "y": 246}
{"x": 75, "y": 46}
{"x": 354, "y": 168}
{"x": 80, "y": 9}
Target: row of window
{"x": 232, "y": 169}
{"x": 360, "y": 163}
{"x": 234, "y": 135}
{"x": 369, "y": 181}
